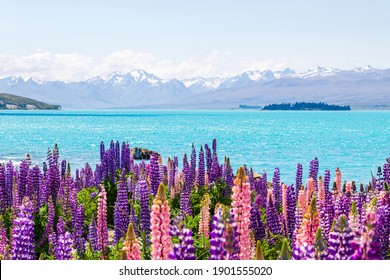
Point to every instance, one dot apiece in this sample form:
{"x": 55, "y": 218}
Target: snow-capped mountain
{"x": 366, "y": 87}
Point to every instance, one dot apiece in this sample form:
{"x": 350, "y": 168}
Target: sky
{"x": 75, "y": 40}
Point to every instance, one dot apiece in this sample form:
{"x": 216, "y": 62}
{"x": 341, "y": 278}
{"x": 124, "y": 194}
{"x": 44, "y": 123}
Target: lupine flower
{"x": 204, "y": 221}
{"x": 121, "y": 211}
{"x": 302, "y": 200}
{"x": 321, "y": 190}
{"x": 290, "y": 211}
{"x": 131, "y": 244}
{"x": 160, "y": 226}
{"x": 92, "y": 234}
{"x": 145, "y": 210}
{"x": 303, "y": 252}
{"x": 201, "y": 168}
{"x": 257, "y": 225}
{"x": 310, "y": 223}
{"x": 214, "y": 172}
{"x": 241, "y": 206}
{"x": 3, "y": 241}
{"x": 154, "y": 174}
{"x": 217, "y": 240}
{"x": 311, "y": 188}
{"x": 185, "y": 250}
{"x": 298, "y": 178}
{"x": 64, "y": 247}
{"x": 337, "y": 180}
{"x": 23, "y": 232}
{"x": 276, "y": 189}
{"x": 102, "y": 221}
{"x": 272, "y": 219}
{"x": 319, "y": 246}
{"x": 339, "y": 245}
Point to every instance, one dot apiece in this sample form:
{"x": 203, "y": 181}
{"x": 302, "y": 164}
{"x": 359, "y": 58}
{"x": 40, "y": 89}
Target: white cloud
{"x": 75, "y": 66}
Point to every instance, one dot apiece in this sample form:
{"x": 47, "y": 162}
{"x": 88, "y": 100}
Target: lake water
{"x": 355, "y": 141}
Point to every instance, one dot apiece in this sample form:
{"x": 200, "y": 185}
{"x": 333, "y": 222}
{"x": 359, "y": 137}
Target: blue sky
{"x": 74, "y": 40}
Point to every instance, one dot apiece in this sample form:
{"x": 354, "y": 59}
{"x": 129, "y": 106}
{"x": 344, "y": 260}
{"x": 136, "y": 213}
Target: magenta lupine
{"x": 23, "y": 232}
{"x": 185, "y": 249}
{"x": 121, "y": 211}
{"x": 276, "y": 189}
{"x": 154, "y": 174}
{"x": 217, "y": 240}
{"x": 102, "y": 221}
{"x": 63, "y": 249}
{"x": 241, "y": 207}
{"x": 160, "y": 226}
{"x": 92, "y": 234}
{"x": 201, "y": 168}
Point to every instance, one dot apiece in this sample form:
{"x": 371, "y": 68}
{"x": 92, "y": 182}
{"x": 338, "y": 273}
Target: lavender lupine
{"x": 23, "y": 232}
{"x": 185, "y": 249}
{"x": 214, "y": 172}
{"x": 276, "y": 188}
{"x": 201, "y": 168}
{"x": 145, "y": 210}
{"x": 121, "y": 211}
{"x": 339, "y": 245}
{"x": 64, "y": 247}
{"x": 92, "y": 234}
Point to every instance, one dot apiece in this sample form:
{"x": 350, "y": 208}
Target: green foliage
{"x": 91, "y": 254}
{"x": 111, "y": 190}
{"x": 191, "y": 222}
{"x": 114, "y": 252}
{"x": 40, "y": 221}
{"x": 90, "y": 205}
{"x": 145, "y": 247}
{"x": 272, "y": 247}
{"x": 202, "y": 247}
{"x": 6, "y": 217}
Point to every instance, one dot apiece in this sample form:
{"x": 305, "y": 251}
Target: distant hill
{"x": 306, "y": 106}
{"x": 15, "y": 102}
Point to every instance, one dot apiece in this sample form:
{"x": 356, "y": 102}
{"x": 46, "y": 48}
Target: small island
{"x": 16, "y": 102}
{"x": 307, "y": 106}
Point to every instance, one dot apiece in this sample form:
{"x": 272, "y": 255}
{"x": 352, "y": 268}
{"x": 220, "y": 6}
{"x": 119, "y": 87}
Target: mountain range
{"x": 361, "y": 88}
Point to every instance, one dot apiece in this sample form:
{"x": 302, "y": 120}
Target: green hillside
{"x": 15, "y": 102}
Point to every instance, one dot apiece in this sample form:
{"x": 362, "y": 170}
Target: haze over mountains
{"x": 361, "y": 88}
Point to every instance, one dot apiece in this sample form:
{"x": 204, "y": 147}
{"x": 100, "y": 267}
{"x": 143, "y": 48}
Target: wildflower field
{"x": 127, "y": 209}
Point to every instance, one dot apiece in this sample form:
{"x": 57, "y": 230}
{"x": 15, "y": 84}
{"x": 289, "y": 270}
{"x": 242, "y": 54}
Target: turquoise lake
{"x": 355, "y": 141}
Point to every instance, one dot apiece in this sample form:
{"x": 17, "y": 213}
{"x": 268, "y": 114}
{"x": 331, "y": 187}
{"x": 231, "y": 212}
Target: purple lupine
{"x": 63, "y": 249}
{"x": 201, "y": 168}
{"x": 9, "y": 178}
{"x": 154, "y": 173}
{"x": 102, "y": 151}
{"x": 185, "y": 206}
{"x": 49, "y": 229}
{"x": 117, "y": 155}
{"x": 3, "y": 190}
{"x": 134, "y": 218}
{"x": 342, "y": 206}
{"x": 214, "y": 146}
{"x": 383, "y": 221}
{"x": 303, "y": 252}
{"x": 217, "y": 240}
{"x": 208, "y": 159}
{"x": 60, "y": 226}
{"x": 214, "y": 172}
{"x": 63, "y": 169}
{"x": 313, "y": 172}
{"x": 124, "y": 164}
{"x": 290, "y": 211}
{"x": 326, "y": 180}
{"x": 78, "y": 239}
{"x": 161, "y": 171}
{"x": 22, "y": 179}
{"x": 3, "y": 241}
{"x": 121, "y": 211}
{"x": 23, "y": 232}
{"x": 185, "y": 249}
{"x": 257, "y": 225}
{"x": 272, "y": 217}
{"x": 339, "y": 245}
{"x": 251, "y": 179}
{"x": 276, "y": 188}
{"x": 145, "y": 210}
{"x": 298, "y": 178}
{"x": 193, "y": 165}
{"x": 92, "y": 234}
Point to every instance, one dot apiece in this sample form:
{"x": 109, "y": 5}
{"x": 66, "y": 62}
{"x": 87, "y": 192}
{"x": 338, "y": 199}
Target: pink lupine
{"x": 310, "y": 223}
{"x": 321, "y": 190}
{"x": 160, "y": 226}
{"x": 311, "y": 188}
{"x": 338, "y": 181}
{"x": 131, "y": 244}
{"x": 241, "y": 206}
{"x": 102, "y": 221}
{"x": 302, "y": 200}
{"x": 204, "y": 222}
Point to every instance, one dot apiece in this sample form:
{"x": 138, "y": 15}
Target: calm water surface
{"x": 355, "y": 141}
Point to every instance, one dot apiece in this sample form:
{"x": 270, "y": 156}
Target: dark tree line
{"x": 300, "y": 106}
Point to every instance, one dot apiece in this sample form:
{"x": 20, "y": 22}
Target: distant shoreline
{"x": 299, "y": 106}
